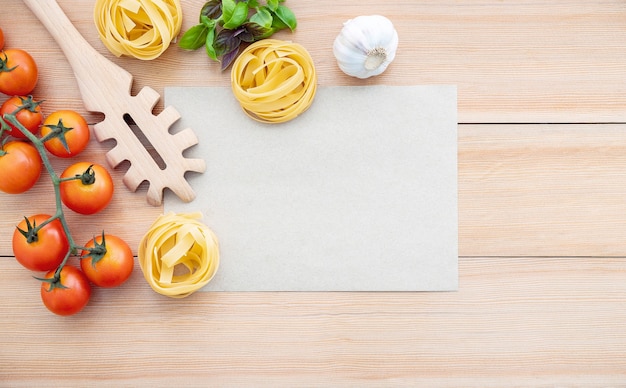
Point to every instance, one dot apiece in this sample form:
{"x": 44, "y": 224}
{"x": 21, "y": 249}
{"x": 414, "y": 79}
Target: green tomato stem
{"x": 56, "y": 183}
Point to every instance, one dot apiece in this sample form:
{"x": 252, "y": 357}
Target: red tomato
{"x": 43, "y": 250}
{"x": 69, "y": 294}
{"x": 29, "y": 115}
{"x": 18, "y": 72}
{"x": 1, "y": 39}
{"x": 90, "y": 192}
{"x": 20, "y": 167}
{"x": 70, "y": 126}
{"x": 108, "y": 262}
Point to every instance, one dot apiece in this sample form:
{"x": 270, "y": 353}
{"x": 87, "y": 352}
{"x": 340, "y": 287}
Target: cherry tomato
{"x": 18, "y": 72}
{"x": 90, "y": 192}
{"x": 109, "y": 263}
{"x": 20, "y": 167}
{"x": 29, "y": 116}
{"x": 72, "y": 127}
{"x": 41, "y": 251}
{"x": 67, "y": 296}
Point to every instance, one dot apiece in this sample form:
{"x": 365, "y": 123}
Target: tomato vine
{"x": 65, "y": 289}
{"x": 11, "y": 118}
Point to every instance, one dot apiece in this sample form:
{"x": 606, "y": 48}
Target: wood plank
{"x": 517, "y": 321}
{"x": 542, "y": 190}
{"x": 531, "y": 61}
{"x": 524, "y": 190}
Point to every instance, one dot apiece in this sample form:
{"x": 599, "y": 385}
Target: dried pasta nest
{"x": 274, "y": 81}
{"x": 142, "y": 29}
{"x": 178, "y": 254}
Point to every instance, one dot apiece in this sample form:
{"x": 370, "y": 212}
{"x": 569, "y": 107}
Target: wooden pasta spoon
{"x": 105, "y": 87}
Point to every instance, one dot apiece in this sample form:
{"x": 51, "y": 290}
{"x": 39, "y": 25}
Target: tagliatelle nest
{"x": 273, "y": 80}
{"x": 142, "y": 29}
{"x": 174, "y": 241}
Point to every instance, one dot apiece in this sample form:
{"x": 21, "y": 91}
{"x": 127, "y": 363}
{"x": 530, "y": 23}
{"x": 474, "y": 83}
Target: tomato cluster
{"x": 43, "y": 242}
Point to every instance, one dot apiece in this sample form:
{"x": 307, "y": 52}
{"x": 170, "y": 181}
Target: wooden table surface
{"x": 542, "y": 221}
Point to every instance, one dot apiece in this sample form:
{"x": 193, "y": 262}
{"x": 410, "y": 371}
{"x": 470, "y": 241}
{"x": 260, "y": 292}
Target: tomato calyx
{"x": 4, "y": 64}
{"x": 31, "y": 234}
{"x": 54, "y": 281}
{"x": 88, "y": 178}
{"x": 27, "y": 103}
{"x": 97, "y": 252}
{"x": 31, "y": 230}
{"x": 58, "y": 130}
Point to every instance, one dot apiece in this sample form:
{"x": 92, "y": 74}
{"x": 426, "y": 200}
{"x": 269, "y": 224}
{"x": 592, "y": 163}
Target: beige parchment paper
{"x": 359, "y": 193}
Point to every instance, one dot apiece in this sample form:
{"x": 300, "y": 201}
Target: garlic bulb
{"x": 365, "y": 46}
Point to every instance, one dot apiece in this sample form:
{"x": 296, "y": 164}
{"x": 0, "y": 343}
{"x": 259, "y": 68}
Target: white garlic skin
{"x": 365, "y": 46}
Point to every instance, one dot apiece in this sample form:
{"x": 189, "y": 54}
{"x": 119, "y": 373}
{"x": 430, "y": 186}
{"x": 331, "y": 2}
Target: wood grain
{"x": 542, "y": 190}
{"x": 531, "y": 61}
{"x": 542, "y": 298}
{"x": 515, "y": 321}
{"x": 524, "y": 190}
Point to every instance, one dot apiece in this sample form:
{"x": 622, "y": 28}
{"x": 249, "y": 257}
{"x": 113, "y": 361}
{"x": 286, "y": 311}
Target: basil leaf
{"x": 210, "y": 40}
{"x": 209, "y": 23}
{"x": 226, "y": 41}
{"x": 194, "y": 37}
{"x": 286, "y": 16}
{"x": 212, "y": 9}
{"x": 238, "y": 16}
{"x": 262, "y": 17}
{"x": 272, "y": 4}
{"x": 257, "y": 32}
{"x": 245, "y": 34}
{"x": 228, "y": 6}
{"x": 278, "y": 24}
{"x": 228, "y": 58}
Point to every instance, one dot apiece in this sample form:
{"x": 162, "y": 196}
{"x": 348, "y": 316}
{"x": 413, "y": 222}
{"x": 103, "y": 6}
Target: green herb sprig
{"x": 226, "y": 24}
